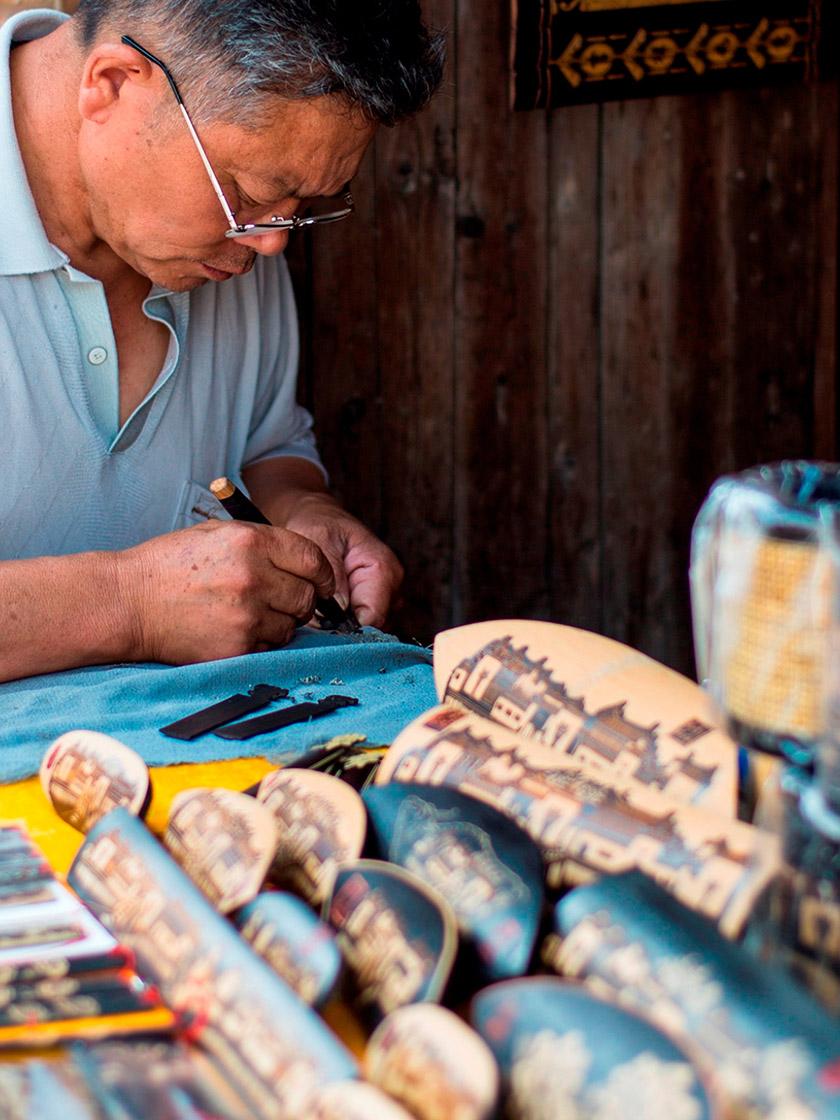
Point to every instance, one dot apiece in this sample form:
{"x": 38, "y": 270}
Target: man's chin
{"x": 186, "y": 274}
{"x": 183, "y": 283}
{"x": 173, "y": 280}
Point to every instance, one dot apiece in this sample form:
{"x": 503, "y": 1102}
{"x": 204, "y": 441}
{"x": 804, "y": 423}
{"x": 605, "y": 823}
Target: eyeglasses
{"x": 322, "y": 215}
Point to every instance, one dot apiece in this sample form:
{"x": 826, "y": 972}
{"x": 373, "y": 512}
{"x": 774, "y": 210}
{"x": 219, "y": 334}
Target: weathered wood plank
{"x": 500, "y": 433}
{"x": 532, "y": 407}
{"x": 574, "y": 445}
{"x": 415, "y": 263}
{"x": 825, "y": 135}
{"x": 774, "y": 157}
{"x": 342, "y": 384}
{"x": 710, "y": 340}
{"x": 641, "y": 161}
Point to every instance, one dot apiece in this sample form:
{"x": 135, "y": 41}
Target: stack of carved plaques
{"x": 765, "y": 1045}
{"x": 532, "y": 913}
{"x": 615, "y": 768}
{"x": 63, "y": 976}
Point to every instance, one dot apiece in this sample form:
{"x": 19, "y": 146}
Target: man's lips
{"x": 218, "y": 273}
{"x": 225, "y": 273}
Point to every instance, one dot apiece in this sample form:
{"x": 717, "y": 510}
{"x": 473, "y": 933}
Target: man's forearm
{"x": 60, "y": 612}
{"x": 277, "y": 486}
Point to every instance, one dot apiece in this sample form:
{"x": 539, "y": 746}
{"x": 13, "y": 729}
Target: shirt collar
{"x": 24, "y": 246}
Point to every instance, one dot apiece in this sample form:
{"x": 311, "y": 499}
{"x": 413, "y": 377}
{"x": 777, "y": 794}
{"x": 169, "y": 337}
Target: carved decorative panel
{"x": 572, "y": 51}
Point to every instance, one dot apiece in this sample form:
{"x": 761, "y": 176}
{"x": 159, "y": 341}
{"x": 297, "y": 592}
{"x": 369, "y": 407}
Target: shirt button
{"x": 97, "y": 355}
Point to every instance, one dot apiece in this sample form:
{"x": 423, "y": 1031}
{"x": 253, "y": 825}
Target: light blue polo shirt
{"x": 72, "y": 478}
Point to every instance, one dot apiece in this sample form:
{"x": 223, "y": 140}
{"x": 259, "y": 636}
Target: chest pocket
{"x": 197, "y": 504}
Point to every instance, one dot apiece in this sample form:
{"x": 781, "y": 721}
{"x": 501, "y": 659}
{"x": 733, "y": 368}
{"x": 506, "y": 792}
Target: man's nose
{"x": 266, "y": 244}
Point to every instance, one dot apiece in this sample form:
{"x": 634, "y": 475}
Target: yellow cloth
{"x": 26, "y": 802}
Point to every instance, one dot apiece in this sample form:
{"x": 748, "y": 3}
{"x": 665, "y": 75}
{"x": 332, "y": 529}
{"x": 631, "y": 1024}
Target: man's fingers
{"x": 276, "y": 629}
{"x": 367, "y": 573}
{"x": 342, "y": 585}
{"x": 371, "y": 592}
{"x": 291, "y": 596}
{"x": 298, "y": 556}
{"x": 369, "y": 616}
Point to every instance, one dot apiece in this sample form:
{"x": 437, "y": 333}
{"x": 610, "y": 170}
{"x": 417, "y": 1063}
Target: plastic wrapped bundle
{"x": 764, "y": 578}
{"x": 763, "y": 551}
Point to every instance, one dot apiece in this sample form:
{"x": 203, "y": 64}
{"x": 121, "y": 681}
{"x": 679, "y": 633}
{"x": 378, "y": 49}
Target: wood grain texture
{"x": 415, "y": 262}
{"x": 501, "y": 475}
{"x": 710, "y": 314}
{"x": 336, "y": 270}
{"x": 574, "y": 354}
{"x": 825, "y": 132}
{"x": 640, "y": 255}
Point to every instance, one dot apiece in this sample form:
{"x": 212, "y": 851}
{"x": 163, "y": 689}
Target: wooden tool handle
{"x": 238, "y": 505}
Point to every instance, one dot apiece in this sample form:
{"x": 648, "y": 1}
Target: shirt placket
{"x": 98, "y": 351}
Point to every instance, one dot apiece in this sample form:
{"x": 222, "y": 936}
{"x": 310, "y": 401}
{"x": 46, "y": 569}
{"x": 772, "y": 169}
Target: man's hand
{"x": 291, "y": 492}
{"x": 367, "y": 573}
{"x": 220, "y": 589}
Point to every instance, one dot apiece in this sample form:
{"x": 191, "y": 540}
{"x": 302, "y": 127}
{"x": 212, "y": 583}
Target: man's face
{"x": 151, "y": 201}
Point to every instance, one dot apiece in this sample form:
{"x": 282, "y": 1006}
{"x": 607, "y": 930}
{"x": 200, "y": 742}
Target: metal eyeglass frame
{"x": 237, "y": 229}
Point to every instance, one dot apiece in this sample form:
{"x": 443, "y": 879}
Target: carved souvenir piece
{"x": 428, "y": 1059}
{"x": 48, "y": 1012}
{"x": 355, "y": 1101}
{"x": 285, "y": 717}
{"x": 225, "y": 841}
{"x": 563, "y": 1052}
{"x": 771, "y": 1049}
{"x": 267, "y": 1042}
{"x": 14, "y": 840}
{"x": 149, "y": 1079}
{"x": 86, "y": 774}
{"x": 133, "y": 1079}
{"x": 51, "y": 941}
{"x": 398, "y": 937}
{"x": 45, "y": 932}
{"x": 26, "y": 879}
{"x": 803, "y": 914}
{"x": 225, "y": 711}
{"x": 347, "y": 757}
{"x": 485, "y": 866}
{"x": 584, "y": 821}
{"x": 39, "y": 1090}
{"x": 321, "y": 822}
{"x": 595, "y": 700}
{"x": 300, "y": 948}
{"x": 798, "y": 919}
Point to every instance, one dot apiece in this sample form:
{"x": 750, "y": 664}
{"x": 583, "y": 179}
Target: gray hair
{"x": 232, "y": 55}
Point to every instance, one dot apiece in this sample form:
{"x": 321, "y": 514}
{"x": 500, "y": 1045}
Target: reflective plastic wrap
{"x": 761, "y": 583}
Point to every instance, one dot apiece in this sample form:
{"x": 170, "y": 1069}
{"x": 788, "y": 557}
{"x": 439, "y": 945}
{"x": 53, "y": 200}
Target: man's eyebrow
{"x": 285, "y": 188}
{"x": 269, "y": 184}
{"x": 299, "y": 191}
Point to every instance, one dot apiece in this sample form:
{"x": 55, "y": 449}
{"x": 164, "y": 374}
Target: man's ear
{"x": 111, "y": 72}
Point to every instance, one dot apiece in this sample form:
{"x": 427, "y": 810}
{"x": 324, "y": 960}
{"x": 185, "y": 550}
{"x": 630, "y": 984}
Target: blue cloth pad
{"x": 393, "y": 683}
